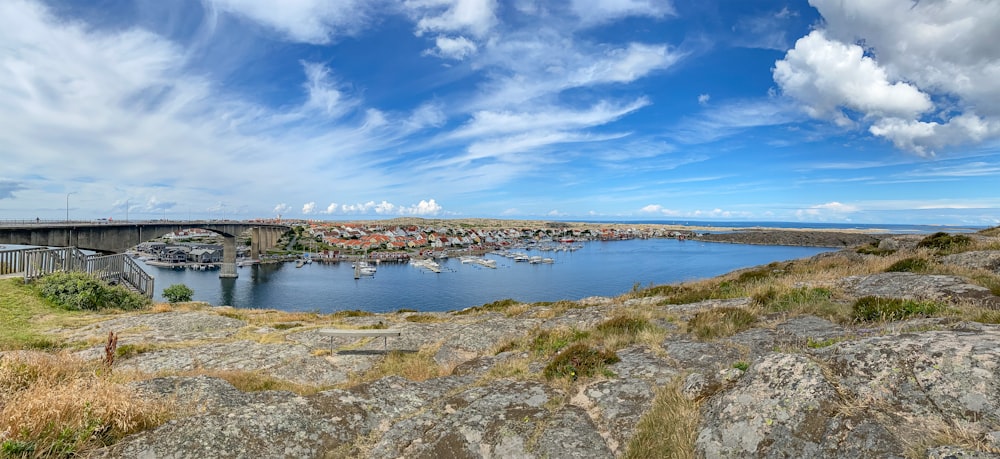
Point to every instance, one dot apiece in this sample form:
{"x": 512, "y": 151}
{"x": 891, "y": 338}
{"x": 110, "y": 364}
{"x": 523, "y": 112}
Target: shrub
{"x": 945, "y": 242}
{"x": 873, "y": 249}
{"x": 578, "y": 360}
{"x": 909, "y": 265}
{"x": 872, "y": 308}
{"x": 81, "y": 291}
{"x": 719, "y": 322}
{"x": 178, "y": 293}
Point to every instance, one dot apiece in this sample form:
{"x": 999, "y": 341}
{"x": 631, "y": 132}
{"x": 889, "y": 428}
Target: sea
{"x": 597, "y": 268}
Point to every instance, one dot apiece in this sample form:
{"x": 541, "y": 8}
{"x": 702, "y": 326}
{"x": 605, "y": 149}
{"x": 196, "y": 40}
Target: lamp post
{"x": 67, "y": 205}
{"x": 126, "y": 211}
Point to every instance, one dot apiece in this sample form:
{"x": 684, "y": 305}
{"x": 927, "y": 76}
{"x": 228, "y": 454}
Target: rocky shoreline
{"x": 796, "y": 382}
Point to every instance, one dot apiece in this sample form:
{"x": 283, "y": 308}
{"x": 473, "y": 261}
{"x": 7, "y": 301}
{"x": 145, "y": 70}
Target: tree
{"x": 177, "y": 293}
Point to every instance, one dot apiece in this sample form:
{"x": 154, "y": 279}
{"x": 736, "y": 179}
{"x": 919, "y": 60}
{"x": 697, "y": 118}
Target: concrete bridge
{"x": 116, "y": 237}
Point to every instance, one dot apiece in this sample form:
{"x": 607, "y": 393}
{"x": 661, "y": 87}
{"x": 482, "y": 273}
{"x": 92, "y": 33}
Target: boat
{"x": 298, "y": 264}
{"x": 362, "y": 268}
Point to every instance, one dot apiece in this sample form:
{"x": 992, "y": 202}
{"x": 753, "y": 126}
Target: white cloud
{"x": 502, "y": 122}
{"x": 703, "y": 99}
{"x": 832, "y": 209}
{"x": 424, "y": 207}
{"x": 308, "y": 208}
{"x": 928, "y": 77}
{"x": 457, "y": 48}
{"x": 826, "y": 75}
{"x": 331, "y": 208}
{"x": 323, "y": 93}
{"x": 281, "y": 208}
{"x": 310, "y": 21}
{"x": 601, "y": 11}
{"x": 476, "y": 17}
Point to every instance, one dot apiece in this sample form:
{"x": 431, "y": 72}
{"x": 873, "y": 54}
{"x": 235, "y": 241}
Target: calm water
{"x": 598, "y": 269}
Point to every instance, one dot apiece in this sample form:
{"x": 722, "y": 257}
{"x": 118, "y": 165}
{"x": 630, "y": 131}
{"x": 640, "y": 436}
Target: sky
{"x": 839, "y": 111}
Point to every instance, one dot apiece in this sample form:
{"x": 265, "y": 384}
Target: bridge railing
{"x": 114, "y": 269}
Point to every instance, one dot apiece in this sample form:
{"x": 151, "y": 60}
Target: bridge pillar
{"x": 255, "y": 243}
{"x": 228, "y": 258}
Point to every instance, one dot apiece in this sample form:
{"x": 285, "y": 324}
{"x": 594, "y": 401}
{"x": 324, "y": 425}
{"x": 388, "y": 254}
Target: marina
{"x": 460, "y": 281}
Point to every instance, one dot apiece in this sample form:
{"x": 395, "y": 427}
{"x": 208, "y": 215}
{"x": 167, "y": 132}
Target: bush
{"x": 578, "y": 360}
{"x": 178, "y": 293}
{"x": 873, "y": 249}
{"x": 945, "y": 242}
{"x": 624, "y": 325}
{"x": 909, "y": 265}
{"x": 81, "y": 291}
{"x": 872, "y": 308}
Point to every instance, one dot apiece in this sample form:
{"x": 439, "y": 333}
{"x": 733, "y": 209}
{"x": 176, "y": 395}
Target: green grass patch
{"x": 991, "y": 232}
{"x": 988, "y": 317}
{"x": 873, "y": 308}
{"x": 579, "y": 360}
{"x": 793, "y": 300}
{"x": 909, "y": 265}
{"x": 130, "y": 350}
{"x": 720, "y": 322}
{"x": 819, "y": 344}
{"x": 19, "y": 306}
{"x": 286, "y": 325}
{"x": 548, "y": 342}
{"x": 741, "y": 365}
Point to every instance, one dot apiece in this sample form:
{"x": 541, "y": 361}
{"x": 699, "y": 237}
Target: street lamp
{"x": 67, "y": 205}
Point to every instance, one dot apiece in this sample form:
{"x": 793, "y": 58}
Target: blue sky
{"x": 863, "y": 111}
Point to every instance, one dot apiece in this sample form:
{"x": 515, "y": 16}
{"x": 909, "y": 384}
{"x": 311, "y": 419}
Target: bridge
{"x": 117, "y": 237}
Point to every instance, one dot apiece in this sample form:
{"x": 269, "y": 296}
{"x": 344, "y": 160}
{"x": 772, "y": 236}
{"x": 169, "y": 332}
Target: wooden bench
{"x": 384, "y": 333}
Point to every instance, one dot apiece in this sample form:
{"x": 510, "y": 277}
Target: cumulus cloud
{"x": 281, "y": 208}
{"x": 827, "y": 75}
{"x": 923, "y": 75}
{"x": 331, "y": 208}
{"x": 428, "y": 207}
{"x": 308, "y": 208}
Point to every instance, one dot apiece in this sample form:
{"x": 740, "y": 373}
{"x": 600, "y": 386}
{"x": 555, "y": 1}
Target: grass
{"x": 720, "y": 322}
{"x": 873, "y": 308}
{"x": 910, "y": 265}
{"x": 579, "y": 360}
{"x": 424, "y": 318}
{"x": 501, "y": 306}
{"x": 415, "y": 366}
{"x": 250, "y": 381}
{"x": 54, "y": 405}
{"x": 668, "y": 429}
{"x": 25, "y": 316}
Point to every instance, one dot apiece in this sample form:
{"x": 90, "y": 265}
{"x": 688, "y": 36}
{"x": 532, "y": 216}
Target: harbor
{"x": 593, "y": 269}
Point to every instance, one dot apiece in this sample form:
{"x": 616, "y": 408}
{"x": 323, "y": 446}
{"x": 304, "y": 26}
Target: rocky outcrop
{"x": 793, "y": 385}
{"x": 793, "y": 238}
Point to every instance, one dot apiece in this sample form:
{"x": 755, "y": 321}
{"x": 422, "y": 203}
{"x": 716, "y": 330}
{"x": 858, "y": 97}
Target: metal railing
{"x": 113, "y": 269}
{"x": 12, "y": 261}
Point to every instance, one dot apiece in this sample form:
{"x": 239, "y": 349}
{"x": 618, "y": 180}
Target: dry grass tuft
{"x": 668, "y": 429}
{"x": 415, "y": 366}
{"x": 249, "y": 381}
{"x": 54, "y": 405}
